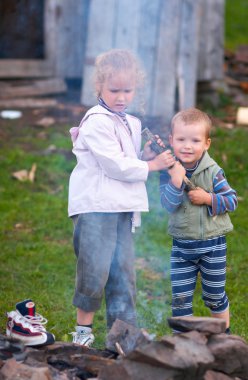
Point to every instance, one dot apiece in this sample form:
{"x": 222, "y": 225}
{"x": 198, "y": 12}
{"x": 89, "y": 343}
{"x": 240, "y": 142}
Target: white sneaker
{"x": 27, "y": 325}
{"x": 83, "y": 336}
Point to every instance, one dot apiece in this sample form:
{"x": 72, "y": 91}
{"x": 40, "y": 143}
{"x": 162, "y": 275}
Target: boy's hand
{"x": 177, "y": 173}
{"x": 200, "y": 197}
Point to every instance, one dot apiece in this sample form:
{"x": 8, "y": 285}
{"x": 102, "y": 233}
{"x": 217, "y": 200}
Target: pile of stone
{"x": 233, "y": 85}
{"x": 202, "y": 351}
{"x": 236, "y": 74}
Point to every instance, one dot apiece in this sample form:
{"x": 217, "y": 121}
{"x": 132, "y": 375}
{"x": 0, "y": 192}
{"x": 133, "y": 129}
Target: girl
{"x": 106, "y": 193}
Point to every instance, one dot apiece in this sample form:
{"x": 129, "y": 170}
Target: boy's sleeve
{"x": 170, "y": 196}
{"x": 224, "y": 198}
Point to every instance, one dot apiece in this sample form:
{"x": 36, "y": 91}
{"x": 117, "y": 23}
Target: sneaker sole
{"x": 41, "y": 340}
{"x": 87, "y": 343}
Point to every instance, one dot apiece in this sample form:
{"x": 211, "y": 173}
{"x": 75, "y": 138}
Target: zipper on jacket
{"x": 201, "y": 223}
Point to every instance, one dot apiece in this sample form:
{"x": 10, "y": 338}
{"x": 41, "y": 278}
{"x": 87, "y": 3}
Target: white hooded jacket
{"x": 109, "y": 176}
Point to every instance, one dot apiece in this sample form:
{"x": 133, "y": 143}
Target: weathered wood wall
{"x": 211, "y": 40}
{"x": 66, "y": 33}
{"x": 178, "y": 41}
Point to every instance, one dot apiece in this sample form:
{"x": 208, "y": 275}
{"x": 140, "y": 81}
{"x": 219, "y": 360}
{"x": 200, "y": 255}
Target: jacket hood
{"x": 205, "y": 163}
{"x": 74, "y": 131}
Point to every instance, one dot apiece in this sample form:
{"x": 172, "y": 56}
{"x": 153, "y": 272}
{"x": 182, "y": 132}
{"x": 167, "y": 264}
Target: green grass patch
{"x": 236, "y": 26}
{"x": 37, "y": 258}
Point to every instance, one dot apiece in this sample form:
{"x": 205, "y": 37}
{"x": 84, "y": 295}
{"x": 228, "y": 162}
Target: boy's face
{"x": 118, "y": 92}
{"x": 189, "y": 142}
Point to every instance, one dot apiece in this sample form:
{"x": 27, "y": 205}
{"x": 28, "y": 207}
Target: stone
{"x": 14, "y": 370}
{"x": 180, "y": 353}
{"x": 213, "y": 375}
{"x": 127, "y": 337}
{"x": 202, "y": 324}
{"x": 133, "y": 370}
{"x": 231, "y": 355}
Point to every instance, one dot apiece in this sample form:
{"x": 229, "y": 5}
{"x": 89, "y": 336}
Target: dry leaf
{"x": 224, "y": 157}
{"x": 31, "y": 174}
{"x": 24, "y": 175}
{"x": 18, "y": 225}
{"x": 45, "y": 122}
{"x": 21, "y": 175}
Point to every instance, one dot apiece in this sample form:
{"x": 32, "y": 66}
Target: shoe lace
{"x": 77, "y": 336}
{"x": 37, "y": 321}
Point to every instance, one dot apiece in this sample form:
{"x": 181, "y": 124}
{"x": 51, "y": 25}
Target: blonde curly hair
{"x": 114, "y": 62}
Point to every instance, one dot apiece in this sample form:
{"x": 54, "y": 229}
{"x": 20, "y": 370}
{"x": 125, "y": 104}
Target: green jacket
{"x": 193, "y": 221}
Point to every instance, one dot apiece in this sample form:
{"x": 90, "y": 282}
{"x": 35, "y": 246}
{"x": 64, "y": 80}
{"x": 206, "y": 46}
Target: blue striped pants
{"x": 190, "y": 257}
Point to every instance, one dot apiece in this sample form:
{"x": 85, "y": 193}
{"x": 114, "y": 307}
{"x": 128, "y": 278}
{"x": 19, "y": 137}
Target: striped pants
{"x": 190, "y": 257}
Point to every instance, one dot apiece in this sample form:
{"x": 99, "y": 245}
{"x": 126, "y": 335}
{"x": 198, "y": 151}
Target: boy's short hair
{"x": 192, "y": 116}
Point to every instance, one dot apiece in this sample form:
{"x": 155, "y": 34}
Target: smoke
{"x": 153, "y": 247}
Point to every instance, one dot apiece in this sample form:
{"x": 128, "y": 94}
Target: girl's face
{"x": 118, "y": 91}
{"x": 189, "y": 142}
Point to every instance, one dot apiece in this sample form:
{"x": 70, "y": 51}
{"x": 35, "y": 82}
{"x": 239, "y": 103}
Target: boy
{"x": 198, "y": 219}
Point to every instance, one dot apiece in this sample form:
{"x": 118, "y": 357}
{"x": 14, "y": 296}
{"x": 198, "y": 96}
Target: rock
{"x": 126, "y": 336}
{"x": 201, "y": 324}
{"x": 14, "y": 370}
{"x": 213, "y": 375}
{"x": 11, "y": 348}
{"x": 231, "y": 355}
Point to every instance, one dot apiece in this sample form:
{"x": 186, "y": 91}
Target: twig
{"x": 119, "y": 349}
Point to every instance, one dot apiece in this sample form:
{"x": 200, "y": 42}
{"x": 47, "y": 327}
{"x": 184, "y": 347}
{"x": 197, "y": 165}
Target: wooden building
{"x": 179, "y": 42}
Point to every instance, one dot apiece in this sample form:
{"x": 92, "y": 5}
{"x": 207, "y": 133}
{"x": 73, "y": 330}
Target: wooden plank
{"x": 127, "y": 23}
{"x": 28, "y": 103}
{"x": 188, "y": 54}
{"x": 163, "y": 102}
{"x": 126, "y": 32}
{"x": 67, "y": 20}
{"x": 100, "y": 38}
{"x": 23, "y": 68}
{"x": 51, "y": 32}
{"x": 211, "y": 44}
{"x": 19, "y": 89}
{"x": 147, "y": 47}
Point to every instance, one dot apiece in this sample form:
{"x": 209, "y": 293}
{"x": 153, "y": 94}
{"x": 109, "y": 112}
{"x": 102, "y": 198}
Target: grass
{"x": 236, "y": 27}
{"x": 37, "y": 259}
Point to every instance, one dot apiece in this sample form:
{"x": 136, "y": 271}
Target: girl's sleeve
{"x": 224, "y": 198}
{"x": 170, "y": 196}
{"x": 100, "y": 137}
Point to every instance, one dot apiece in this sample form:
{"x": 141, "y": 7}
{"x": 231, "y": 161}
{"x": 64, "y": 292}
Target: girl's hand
{"x": 162, "y": 161}
{"x": 177, "y": 173}
{"x": 200, "y": 197}
{"x": 148, "y": 153}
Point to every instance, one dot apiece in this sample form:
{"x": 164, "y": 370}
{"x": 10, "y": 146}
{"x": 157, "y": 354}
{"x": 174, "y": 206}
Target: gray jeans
{"x": 103, "y": 246}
